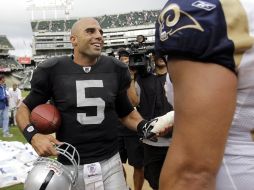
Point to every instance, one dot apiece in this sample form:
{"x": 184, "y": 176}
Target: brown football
{"x": 46, "y": 118}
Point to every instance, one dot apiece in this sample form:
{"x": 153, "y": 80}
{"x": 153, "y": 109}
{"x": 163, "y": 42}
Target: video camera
{"x": 139, "y": 59}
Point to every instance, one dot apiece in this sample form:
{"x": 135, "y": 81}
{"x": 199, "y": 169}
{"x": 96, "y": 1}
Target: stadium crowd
{"x": 106, "y": 21}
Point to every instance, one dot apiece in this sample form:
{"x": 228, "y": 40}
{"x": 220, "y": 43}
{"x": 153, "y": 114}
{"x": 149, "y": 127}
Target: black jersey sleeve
{"x": 124, "y": 76}
{"x": 40, "y": 85}
{"x": 194, "y": 30}
{"x": 123, "y": 105}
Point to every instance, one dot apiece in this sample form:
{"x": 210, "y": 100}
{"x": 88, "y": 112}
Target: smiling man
{"x": 90, "y": 91}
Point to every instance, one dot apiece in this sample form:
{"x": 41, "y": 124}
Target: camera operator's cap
{"x": 123, "y": 52}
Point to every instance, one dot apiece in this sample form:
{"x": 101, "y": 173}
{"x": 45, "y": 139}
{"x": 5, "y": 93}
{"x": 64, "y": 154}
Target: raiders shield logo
{"x": 87, "y": 69}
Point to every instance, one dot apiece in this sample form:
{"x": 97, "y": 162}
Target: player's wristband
{"x": 140, "y": 127}
{"x": 29, "y": 132}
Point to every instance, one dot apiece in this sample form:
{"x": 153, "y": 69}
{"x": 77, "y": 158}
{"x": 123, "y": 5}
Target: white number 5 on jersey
{"x": 83, "y": 101}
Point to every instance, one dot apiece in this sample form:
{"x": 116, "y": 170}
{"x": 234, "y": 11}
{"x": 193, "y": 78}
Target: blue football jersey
{"x": 195, "y": 30}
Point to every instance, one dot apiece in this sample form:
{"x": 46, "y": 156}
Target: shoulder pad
{"x": 51, "y": 62}
{"x": 110, "y": 59}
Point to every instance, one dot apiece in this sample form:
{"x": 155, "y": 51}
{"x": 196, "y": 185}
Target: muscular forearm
{"x": 132, "y": 94}
{"x": 22, "y": 116}
{"x": 132, "y": 120}
{"x": 43, "y": 144}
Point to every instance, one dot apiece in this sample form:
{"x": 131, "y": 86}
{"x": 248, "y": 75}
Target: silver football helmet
{"x": 49, "y": 174}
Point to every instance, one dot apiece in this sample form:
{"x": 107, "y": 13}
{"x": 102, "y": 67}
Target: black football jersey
{"x": 90, "y": 100}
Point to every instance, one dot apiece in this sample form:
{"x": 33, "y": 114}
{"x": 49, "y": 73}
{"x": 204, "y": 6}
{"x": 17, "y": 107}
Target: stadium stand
{"x": 106, "y": 21}
{"x": 7, "y": 63}
{"x": 69, "y": 23}
{"x": 57, "y": 26}
{"x": 34, "y": 25}
{"x": 44, "y": 25}
{"x": 19, "y": 74}
{"x": 5, "y": 43}
{"x": 25, "y": 82}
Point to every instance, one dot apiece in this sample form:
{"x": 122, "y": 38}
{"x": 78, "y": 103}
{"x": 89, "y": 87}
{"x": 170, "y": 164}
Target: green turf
{"x": 17, "y": 135}
{"x": 14, "y": 187}
{"x": 25, "y": 93}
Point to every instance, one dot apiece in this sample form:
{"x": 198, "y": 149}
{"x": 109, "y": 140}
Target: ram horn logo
{"x": 169, "y": 21}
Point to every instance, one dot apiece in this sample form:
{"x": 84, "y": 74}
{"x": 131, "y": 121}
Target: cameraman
{"x": 153, "y": 103}
{"x": 130, "y": 146}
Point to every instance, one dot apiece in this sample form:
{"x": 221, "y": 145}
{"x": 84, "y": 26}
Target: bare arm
{"x": 22, "y": 116}
{"x": 132, "y": 94}
{"x": 204, "y": 103}
{"x": 132, "y": 120}
{"x": 43, "y": 144}
{"x": 19, "y": 98}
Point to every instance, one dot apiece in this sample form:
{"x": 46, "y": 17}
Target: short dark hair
{"x": 156, "y": 57}
{"x": 123, "y": 52}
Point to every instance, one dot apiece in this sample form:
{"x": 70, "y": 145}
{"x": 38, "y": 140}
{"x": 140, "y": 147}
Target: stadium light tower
{"x": 49, "y": 6}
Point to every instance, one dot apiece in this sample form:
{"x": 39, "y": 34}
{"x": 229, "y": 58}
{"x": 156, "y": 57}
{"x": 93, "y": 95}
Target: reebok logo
{"x": 204, "y": 5}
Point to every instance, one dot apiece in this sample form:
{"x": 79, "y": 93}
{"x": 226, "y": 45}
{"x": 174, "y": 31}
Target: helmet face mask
{"x": 49, "y": 174}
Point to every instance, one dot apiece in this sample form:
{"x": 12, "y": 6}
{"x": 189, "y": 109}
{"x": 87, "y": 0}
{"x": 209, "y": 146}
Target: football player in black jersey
{"x": 89, "y": 90}
{"x": 200, "y": 61}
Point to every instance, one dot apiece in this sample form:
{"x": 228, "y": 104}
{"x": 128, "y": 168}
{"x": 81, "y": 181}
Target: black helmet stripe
{"x": 47, "y": 180}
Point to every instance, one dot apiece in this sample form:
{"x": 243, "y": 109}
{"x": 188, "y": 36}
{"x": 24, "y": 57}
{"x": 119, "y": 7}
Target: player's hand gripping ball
{"x": 46, "y": 118}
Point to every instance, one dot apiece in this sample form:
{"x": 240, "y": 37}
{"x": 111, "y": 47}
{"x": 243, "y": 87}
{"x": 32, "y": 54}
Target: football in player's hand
{"x": 46, "y": 118}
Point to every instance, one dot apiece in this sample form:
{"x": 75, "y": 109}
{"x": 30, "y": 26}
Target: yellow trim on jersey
{"x": 237, "y": 27}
